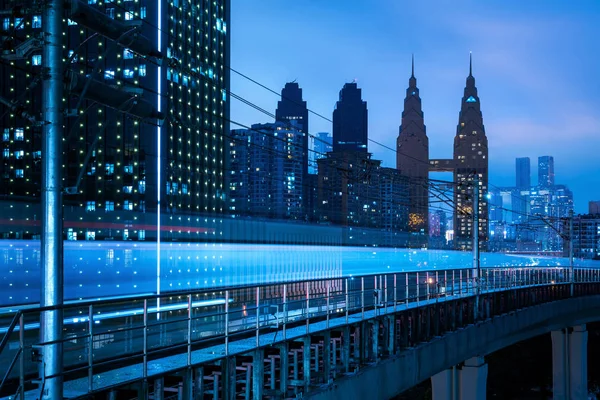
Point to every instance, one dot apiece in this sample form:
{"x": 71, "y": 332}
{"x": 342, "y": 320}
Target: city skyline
{"x": 523, "y": 87}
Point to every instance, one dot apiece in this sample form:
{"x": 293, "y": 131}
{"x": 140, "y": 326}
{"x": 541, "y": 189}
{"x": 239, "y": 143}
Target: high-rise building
{"x": 586, "y": 235}
{"x": 350, "y": 121}
{"x": 412, "y": 157}
{"x": 292, "y": 107}
{"x": 594, "y": 207}
{"x": 124, "y": 168}
{"x": 545, "y": 171}
{"x": 471, "y": 165}
{"x": 523, "y": 173}
{"x": 267, "y": 177}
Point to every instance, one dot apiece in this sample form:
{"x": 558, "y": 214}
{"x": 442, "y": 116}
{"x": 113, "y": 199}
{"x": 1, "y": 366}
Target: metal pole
{"x": 257, "y": 316}
{"x": 476, "y": 266}
{"x": 571, "y": 271}
{"x": 285, "y": 316}
{"x": 91, "y": 348}
{"x": 51, "y": 322}
{"x": 189, "y": 327}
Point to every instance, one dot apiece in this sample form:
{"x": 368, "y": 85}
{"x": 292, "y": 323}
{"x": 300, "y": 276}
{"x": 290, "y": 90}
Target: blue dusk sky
{"x": 536, "y": 65}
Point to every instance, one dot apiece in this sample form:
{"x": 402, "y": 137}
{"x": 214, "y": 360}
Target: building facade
{"x": 412, "y": 160}
{"x": 586, "y": 233}
{"x": 545, "y": 171}
{"x": 267, "y": 176}
{"x": 350, "y": 121}
{"x": 523, "y": 169}
{"x": 128, "y": 174}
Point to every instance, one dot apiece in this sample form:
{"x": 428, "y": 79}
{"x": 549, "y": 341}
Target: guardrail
{"x": 101, "y": 336}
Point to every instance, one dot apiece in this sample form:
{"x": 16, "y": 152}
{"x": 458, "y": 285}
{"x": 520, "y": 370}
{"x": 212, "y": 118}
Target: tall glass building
{"x": 130, "y": 176}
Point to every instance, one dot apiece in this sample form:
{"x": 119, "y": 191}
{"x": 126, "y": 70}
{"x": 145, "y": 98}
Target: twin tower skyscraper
{"x": 469, "y": 164}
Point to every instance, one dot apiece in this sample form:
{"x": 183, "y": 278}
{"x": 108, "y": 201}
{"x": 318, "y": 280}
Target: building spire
{"x": 413, "y": 66}
{"x": 470, "y": 63}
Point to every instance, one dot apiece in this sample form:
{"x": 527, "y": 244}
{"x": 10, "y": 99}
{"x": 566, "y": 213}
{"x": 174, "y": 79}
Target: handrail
{"x": 456, "y": 284}
{"x": 10, "y": 330}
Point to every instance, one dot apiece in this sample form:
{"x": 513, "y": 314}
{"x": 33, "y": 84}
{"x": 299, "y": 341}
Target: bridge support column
{"x": 375, "y": 341}
{"x": 326, "y": 356}
{"x": 284, "y": 367}
{"x": 345, "y": 350}
{"x": 258, "y": 374}
{"x": 569, "y": 363}
{"x": 306, "y": 362}
{"x": 198, "y": 383}
{"x": 112, "y": 395}
{"x": 229, "y": 381}
{"x": 159, "y": 388}
{"x": 391, "y": 335}
{"x": 188, "y": 384}
{"x": 466, "y": 383}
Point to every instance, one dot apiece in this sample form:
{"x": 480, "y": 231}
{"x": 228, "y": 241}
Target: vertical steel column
{"x": 257, "y": 316}
{"x": 418, "y": 289}
{"x": 284, "y": 368}
{"x": 326, "y": 355}
{"x": 285, "y": 316}
{"x": 51, "y": 322}
{"x": 90, "y": 353}
{"x": 395, "y": 294}
{"x": 347, "y": 300}
{"x": 362, "y": 298}
{"x": 571, "y": 271}
{"x": 145, "y": 341}
{"x": 407, "y": 292}
{"x": 226, "y": 325}
{"x": 306, "y": 362}
{"x": 307, "y": 309}
{"x": 22, "y": 357}
{"x": 189, "y": 330}
{"x": 476, "y": 265}
{"x": 327, "y": 305}
{"x": 258, "y": 374}
{"x": 345, "y": 350}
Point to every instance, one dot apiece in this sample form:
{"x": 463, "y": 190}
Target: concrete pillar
{"x": 444, "y": 386}
{"x": 258, "y": 374}
{"x": 578, "y": 363}
{"x": 159, "y": 388}
{"x": 326, "y": 355}
{"x": 306, "y": 369}
{"x": 142, "y": 390}
{"x": 199, "y": 383}
{"x": 112, "y": 395}
{"x": 284, "y": 368}
{"x": 569, "y": 364}
{"x": 473, "y": 379}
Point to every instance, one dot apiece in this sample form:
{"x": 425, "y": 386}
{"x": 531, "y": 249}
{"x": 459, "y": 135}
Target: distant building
{"x": 354, "y": 191}
{"x": 523, "y": 173}
{"x": 586, "y": 232}
{"x": 594, "y": 207}
{"x": 267, "y": 177}
{"x": 412, "y": 158}
{"x": 322, "y": 143}
{"x": 350, "y": 121}
{"x": 545, "y": 171}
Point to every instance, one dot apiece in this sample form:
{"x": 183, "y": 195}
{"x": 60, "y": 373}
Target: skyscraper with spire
{"x": 470, "y": 167}
{"x": 412, "y": 158}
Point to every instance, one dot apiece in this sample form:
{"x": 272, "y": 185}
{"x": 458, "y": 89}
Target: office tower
{"x": 470, "y": 166}
{"x": 350, "y": 121}
{"x": 292, "y": 107}
{"x": 545, "y": 171}
{"x": 125, "y": 167}
{"x": 594, "y": 207}
{"x": 523, "y": 173}
{"x": 586, "y": 233}
{"x": 412, "y": 157}
{"x": 267, "y": 177}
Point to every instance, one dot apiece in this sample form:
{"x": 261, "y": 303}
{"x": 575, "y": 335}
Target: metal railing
{"x": 136, "y": 333}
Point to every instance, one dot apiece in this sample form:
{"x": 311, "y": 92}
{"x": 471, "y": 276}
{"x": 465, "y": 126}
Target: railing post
{"x": 571, "y": 266}
{"x": 362, "y": 298}
{"x": 418, "y": 291}
{"x": 385, "y": 288}
{"x": 22, "y": 357}
{"x": 427, "y": 285}
{"x": 453, "y": 282}
{"x": 145, "y": 340}
{"x": 347, "y": 301}
{"x": 407, "y": 290}
{"x": 285, "y": 311}
{"x": 395, "y": 294}
{"x": 90, "y": 354}
{"x": 226, "y": 328}
{"x": 460, "y": 282}
{"x": 327, "y": 305}
{"x": 258, "y": 317}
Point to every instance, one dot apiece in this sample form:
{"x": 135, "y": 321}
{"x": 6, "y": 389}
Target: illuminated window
{"x": 19, "y": 134}
{"x": 71, "y": 234}
{"x": 6, "y": 24}
{"x": 142, "y": 70}
{"x": 142, "y": 12}
{"x": 36, "y": 22}
{"x": 127, "y": 54}
{"x": 19, "y": 23}
{"x": 109, "y": 206}
{"x": 109, "y": 74}
{"x": 36, "y": 60}
{"x": 128, "y": 73}
{"x": 471, "y": 99}
{"x": 90, "y": 206}
{"x": 128, "y": 205}
{"x": 128, "y": 16}
{"x": 19, "y": 154}
{"x": 6, "y": 153}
